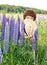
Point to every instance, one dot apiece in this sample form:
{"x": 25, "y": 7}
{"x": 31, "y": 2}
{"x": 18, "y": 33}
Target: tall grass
{"x": 23, "y": 55}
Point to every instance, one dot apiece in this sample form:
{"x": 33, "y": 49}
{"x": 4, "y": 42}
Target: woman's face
{"x": 29, "y": 17}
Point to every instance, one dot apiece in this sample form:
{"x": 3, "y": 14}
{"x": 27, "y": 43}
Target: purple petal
{"x": 21, "y": 38}
{"x": 0, "y": 55}
{"x": 11, "y": 28}
{"x": 17, "y": 29}
{"x": 6, "y": 39}
{"x": 3, "y": 25}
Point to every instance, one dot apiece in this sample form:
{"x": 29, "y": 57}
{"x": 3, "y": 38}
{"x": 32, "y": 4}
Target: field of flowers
{"x": 24, "y": 55}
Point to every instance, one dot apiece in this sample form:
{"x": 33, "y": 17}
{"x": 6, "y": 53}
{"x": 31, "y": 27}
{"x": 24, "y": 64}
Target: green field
{"x": 24, "y": 55}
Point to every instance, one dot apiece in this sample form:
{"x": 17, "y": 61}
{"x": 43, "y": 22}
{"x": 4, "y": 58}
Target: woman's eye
{"x": 28, "y": 17}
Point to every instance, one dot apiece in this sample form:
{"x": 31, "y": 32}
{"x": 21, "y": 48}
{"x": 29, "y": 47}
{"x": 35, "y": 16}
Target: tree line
{"x": 20, "y": 9}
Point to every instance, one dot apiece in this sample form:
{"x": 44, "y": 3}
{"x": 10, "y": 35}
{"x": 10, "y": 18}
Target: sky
{"x": 39, "y": 4}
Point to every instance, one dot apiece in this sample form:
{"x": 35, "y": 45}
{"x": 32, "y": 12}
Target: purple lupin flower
{"x": 0, "y": 19}
{"x": 3, "y": 25}
{"x": 35, "y": 39}
{"x": 34, "y": 46}
{"x": 0, "y": 49}
{"x": 0, "y": 54}
{"x": 21, "y": 38}
{"x": 14, "y": 35}
{"x": 17, "y": 29}
{"x": 6, "y": 38}
{"x": 11, "y": 27}
{"x": 36, "y": 35}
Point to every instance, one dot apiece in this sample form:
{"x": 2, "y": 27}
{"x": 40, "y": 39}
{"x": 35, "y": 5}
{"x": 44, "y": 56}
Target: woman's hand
{"x": 30, "y": 37}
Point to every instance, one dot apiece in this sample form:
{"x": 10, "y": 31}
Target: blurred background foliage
{"x": 20, "y": 9}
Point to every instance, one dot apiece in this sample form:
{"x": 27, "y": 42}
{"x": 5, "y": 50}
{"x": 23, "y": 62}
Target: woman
{"x": 31, "y": 27}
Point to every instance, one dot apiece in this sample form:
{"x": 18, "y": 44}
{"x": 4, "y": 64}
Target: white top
{"x": 30, "y": 26}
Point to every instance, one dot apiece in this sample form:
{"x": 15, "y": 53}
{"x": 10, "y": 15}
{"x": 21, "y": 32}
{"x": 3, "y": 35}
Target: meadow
{"x": 24, "y": 55}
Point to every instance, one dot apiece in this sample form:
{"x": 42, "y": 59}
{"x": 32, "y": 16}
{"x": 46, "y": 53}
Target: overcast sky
{"x": 40, "y": 4}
